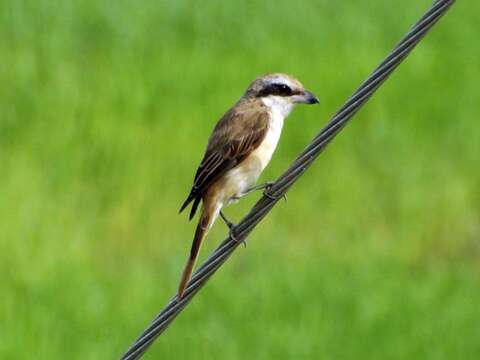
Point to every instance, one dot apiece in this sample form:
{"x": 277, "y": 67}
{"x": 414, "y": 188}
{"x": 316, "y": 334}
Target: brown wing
{"x": 239, "y": 132}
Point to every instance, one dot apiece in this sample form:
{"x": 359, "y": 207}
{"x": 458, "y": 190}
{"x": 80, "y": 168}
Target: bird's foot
{"x": 267, "y": 193}
{"x": 263, "y": 186}
{"x": 231, "y": 229}
{"x": 233, "y": 236}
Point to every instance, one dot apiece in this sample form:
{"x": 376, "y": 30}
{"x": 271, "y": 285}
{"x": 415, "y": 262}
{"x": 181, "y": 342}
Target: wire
{"x": 285, "y": 181}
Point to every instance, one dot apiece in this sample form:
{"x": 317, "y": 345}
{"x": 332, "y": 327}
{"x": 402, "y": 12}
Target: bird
{"x": 240, "y": 147}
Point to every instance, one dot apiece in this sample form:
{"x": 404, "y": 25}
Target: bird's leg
{"x": 227, "y": 222}
{"x": 264, "y": 186}
{"x": 231, "y": 227}
{"x": 266, "y": 190}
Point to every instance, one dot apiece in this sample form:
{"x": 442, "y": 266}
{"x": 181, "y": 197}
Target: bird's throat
{"x": 278, "y": 105}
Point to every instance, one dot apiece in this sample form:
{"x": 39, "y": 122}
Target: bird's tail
{"x": 207, "y": 218}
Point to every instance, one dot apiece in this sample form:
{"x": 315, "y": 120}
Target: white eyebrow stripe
{"x": 282, "y": 80}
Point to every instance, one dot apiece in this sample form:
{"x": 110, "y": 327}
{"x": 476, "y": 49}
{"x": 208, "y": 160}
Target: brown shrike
{"x": 240, "y": 147}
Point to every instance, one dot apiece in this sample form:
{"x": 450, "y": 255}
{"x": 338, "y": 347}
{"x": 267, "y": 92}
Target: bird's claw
{"x": 266, "y": 192}
{"x": 231, "y": 229}
{"x": 232, "y": 235}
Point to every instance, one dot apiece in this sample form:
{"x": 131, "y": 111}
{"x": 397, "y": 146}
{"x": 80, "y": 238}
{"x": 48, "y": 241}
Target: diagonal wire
{"x": 285, "y": 181}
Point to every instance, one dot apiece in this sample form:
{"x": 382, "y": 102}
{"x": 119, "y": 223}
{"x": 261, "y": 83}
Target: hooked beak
{"x": 310, "y": 98}
{"x": 307, "y": 98}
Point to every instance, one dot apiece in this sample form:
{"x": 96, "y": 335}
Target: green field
{"x": 105, "y": 107}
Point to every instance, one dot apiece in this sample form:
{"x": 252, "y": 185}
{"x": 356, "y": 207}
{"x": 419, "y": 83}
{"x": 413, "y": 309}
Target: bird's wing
{"x": 237, "y": 134}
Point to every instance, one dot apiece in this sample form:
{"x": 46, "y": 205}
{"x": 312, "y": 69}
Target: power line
{"x": 285, "y": 181}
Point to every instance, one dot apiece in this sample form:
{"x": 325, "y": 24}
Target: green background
{"x": 105, "y": 108}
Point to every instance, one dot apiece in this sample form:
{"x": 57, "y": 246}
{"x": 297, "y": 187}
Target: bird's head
{"x": 280, "y": 91}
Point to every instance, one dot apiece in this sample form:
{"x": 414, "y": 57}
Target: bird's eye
{"x": 276, "y": 89}
{"x": 282, "y": 90}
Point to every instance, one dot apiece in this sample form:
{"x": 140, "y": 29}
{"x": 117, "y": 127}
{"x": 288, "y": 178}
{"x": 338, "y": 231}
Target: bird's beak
{"x": 307, "y": 98}
{"x": 310, "y": 98}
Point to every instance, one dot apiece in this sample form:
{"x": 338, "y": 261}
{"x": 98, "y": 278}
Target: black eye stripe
{"x": 276, "y": 89}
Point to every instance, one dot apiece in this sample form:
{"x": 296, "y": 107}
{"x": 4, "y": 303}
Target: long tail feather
{"x": 200, "y": 233}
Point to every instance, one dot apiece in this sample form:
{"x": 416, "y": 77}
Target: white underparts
{"x": 241, "y": 178}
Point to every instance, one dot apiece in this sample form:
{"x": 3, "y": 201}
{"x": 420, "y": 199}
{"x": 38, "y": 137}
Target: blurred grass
{"x": 104, "y": 112}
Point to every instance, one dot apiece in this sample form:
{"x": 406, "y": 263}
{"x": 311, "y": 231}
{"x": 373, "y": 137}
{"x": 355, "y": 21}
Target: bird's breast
{"x": 263, "y": 153}
{"x": 242, "y": 177}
